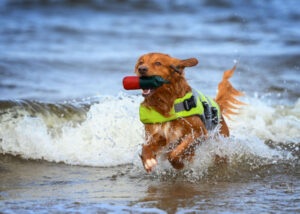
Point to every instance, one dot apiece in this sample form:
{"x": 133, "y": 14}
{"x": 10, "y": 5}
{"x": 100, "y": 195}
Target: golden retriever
{"x": 181, "y": 134}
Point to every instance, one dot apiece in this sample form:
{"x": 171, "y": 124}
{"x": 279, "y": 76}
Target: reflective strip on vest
{"x": 149, "y": 115}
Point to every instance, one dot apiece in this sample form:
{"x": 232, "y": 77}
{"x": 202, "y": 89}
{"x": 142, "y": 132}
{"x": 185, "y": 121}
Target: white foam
{"x": 279, "y": 123}
{"x": 112, "y": 135}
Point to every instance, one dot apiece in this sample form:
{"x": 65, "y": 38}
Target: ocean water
{"x": 70, "y": 135}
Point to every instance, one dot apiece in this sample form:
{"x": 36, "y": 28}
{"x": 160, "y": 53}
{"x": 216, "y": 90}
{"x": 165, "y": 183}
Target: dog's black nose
{"x": 143, "y": 69}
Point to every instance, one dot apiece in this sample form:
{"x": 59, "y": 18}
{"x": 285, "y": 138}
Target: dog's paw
{"x": 176, "y": 163}
{"x": 149, "y": 164}
{"x": 221, "y": 160}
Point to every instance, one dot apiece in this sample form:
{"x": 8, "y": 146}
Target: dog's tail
{"x": 226, "y": 97}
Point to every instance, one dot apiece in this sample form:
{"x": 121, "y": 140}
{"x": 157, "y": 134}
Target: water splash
{"x": 111, "y": 134}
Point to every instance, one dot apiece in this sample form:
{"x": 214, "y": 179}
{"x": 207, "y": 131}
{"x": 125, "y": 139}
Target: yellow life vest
{"x": 192, "y": 104}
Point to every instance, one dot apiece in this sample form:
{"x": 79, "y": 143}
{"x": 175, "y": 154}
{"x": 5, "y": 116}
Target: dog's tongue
{"x": 146, "y": 91}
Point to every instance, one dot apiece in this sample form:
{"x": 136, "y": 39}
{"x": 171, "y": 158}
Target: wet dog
{"x": 176, "y": 116}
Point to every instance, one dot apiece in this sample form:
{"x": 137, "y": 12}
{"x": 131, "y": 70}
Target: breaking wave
{"x": 107, "y": 132}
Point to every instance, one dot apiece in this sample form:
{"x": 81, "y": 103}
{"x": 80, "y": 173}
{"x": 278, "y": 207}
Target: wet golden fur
{"x": 180, "y": 135}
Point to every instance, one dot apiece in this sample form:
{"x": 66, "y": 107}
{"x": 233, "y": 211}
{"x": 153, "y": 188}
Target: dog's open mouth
{"x": 147, "y": 92}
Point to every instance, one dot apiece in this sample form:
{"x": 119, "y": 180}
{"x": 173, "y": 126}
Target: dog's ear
{"x": 188, "y": 62}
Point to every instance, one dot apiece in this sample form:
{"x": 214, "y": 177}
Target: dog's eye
{"x": 141, "y": 62}
{"x": 157, "y": 63}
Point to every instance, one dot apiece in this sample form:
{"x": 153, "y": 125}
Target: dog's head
{"x": 162, "y": 65}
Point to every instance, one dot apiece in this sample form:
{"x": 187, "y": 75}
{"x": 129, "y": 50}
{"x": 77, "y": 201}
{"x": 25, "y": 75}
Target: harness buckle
{"x": 189, "y": 103}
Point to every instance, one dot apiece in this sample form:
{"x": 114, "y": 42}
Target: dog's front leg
{"x": 186, "y": 147}
{"x": 154, "y": 143}
{"x": 177, "y": 155}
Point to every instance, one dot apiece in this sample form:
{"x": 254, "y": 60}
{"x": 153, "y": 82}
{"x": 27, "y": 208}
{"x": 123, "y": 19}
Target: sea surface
{"x": 70, "y": 135}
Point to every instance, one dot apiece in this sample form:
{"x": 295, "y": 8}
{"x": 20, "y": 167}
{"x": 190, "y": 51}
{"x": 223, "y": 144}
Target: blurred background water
{"x": 61, "y": 101}
{"x": 57, "y": 50}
